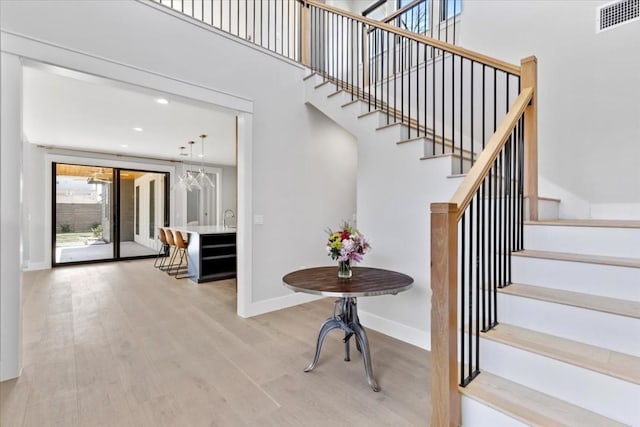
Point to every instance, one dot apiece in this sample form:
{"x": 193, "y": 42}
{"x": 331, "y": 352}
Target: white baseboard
{"x": 33, "y": 266}
{"x": 9, "y": 373}
{"x": 273, "y": 304}
{"x": 396, "y": 330}
{"x": 626, "y": 211}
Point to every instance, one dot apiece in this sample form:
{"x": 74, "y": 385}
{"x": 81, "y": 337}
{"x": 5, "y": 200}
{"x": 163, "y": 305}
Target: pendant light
{"x": 203, "y": 179}
{"x": 187, "y": 180}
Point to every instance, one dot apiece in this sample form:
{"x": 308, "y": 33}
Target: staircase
{"x": 566, "y": 351}
{"x": 566, "y": 347}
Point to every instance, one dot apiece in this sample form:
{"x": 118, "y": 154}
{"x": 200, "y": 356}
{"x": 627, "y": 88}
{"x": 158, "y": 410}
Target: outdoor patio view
{"x": 90, "y": 226}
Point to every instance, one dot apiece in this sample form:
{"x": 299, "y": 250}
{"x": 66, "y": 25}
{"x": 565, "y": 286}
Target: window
{"x": 415, "y": 19}
{"x": 449, "y": 8}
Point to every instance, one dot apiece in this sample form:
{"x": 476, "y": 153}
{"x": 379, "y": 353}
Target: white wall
{"x": 11, "y": 209}
{"x": 588, "y": 116}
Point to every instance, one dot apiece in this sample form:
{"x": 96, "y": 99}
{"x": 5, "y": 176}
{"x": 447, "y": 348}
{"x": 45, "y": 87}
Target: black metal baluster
{"x": 339, "y": 51}
{"x": 433, "y": 100}
{"x": 402, "y": 68}
{"x": 268, "y": 23}
{"x": 453, "y": 105}
{"x": 454, "y": 23}
{"x": 509, "y": 221}
{"x": 335, "y": 48}
{"x": 370, "y": 62}
{"x": 470, "y": 320}
{"x": 496, "y": 245}
{"x": 462, "y": 299}
{"x": 522, "y": 175}
{"x": 478, "y": 281}
{"x": 442, "y": 109}
{"x": 281, "y": 28}
{"x": 395, "y": 78}
{"x": 417, "y": 74}
{"x": 409, "y": 89}
{"x": 472, "y": 114}
{"x": 495, "y": 100}
{"x": 461, "y": 106}
{"x": 426, "y": 83}
{"x": 483, "y": 260}
{"x": 389, "y": 45}
{"x": 484, "y": 103}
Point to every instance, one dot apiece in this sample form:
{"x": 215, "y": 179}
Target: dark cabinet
{"x": 215, "y": 256}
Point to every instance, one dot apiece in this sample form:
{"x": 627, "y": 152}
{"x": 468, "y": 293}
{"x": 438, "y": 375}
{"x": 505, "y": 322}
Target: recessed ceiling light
{"x": 124, "y": 145}
{"x": 200, "y": 155}
{"x": 138, "y": 129}
{"x": 162, "y": 101}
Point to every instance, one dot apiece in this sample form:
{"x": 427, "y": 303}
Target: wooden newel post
{"x": 445, "y": 397}
{"x": 529, "y": 78}
{"x": 305, "y": 35}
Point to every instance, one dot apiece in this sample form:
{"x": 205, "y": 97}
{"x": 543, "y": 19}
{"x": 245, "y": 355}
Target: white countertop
{"x": 204, "y": 229}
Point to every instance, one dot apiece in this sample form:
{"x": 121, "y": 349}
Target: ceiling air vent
{"x": 617, "y": 13}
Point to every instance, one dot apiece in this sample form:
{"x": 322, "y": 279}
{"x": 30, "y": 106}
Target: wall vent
{"x": 614, "y": 14}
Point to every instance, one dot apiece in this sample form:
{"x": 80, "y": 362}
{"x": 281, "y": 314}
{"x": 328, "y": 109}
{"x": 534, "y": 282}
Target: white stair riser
{"x": 615, "y": 242}
{"x": 338, "y": 98}
{"x": 596, "y": 279}
{"x": 394, "y": 132}
{"x": 617, "y": 333}
{"x": 477, "y": 414}
{"x": 547, "y": 209}
{"x": 596, "y": 392}
{"x": 374, "y": 119}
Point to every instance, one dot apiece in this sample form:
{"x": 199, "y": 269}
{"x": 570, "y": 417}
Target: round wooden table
{"x": 366, "y": 281}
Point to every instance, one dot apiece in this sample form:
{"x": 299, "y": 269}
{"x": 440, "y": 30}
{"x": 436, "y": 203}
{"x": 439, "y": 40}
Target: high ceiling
{"x": 67, "y": 109}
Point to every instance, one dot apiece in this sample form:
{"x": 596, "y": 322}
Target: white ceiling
{"x": 67, "y": 109}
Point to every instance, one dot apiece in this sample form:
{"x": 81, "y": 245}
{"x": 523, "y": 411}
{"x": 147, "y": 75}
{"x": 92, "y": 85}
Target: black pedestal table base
{"x": 347, "y": 320}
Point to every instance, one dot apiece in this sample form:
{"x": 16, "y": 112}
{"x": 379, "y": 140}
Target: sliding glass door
{"x": 102, "y": 213}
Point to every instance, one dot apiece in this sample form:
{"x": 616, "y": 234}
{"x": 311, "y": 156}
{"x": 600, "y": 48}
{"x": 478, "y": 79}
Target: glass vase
{"x": 344, "y": 270}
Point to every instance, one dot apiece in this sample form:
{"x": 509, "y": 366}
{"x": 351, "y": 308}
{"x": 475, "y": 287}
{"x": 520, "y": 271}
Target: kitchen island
{"x": 211, "y": 252}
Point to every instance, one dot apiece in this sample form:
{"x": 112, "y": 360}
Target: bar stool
{"x": 181, "y": 249}
{"x": 163, "y": 253}
{"x": 168, "y": 234}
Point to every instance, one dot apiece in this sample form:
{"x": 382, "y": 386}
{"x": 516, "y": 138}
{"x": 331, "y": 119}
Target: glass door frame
{"x": 115, "y": 214}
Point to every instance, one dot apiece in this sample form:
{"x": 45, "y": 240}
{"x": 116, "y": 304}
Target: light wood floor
{"x": 121, "y": 344}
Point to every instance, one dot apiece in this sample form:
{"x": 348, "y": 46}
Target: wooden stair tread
{"x": 576, "y": 299}
{"x": 597, "y": 223}
{"x": 592, "y": 259}
{"x": 615, "y": 364}
{"x": 530, "y": 406}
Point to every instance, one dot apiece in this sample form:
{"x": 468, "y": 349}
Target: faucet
{"x": 228, "y": 214}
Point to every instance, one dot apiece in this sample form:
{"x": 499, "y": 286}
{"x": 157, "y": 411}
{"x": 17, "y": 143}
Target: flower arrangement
{"x": 347, "y": 244}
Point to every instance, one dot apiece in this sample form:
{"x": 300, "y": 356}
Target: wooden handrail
{"x": 465, "y": 53}
{"x": 480, "y": 168}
